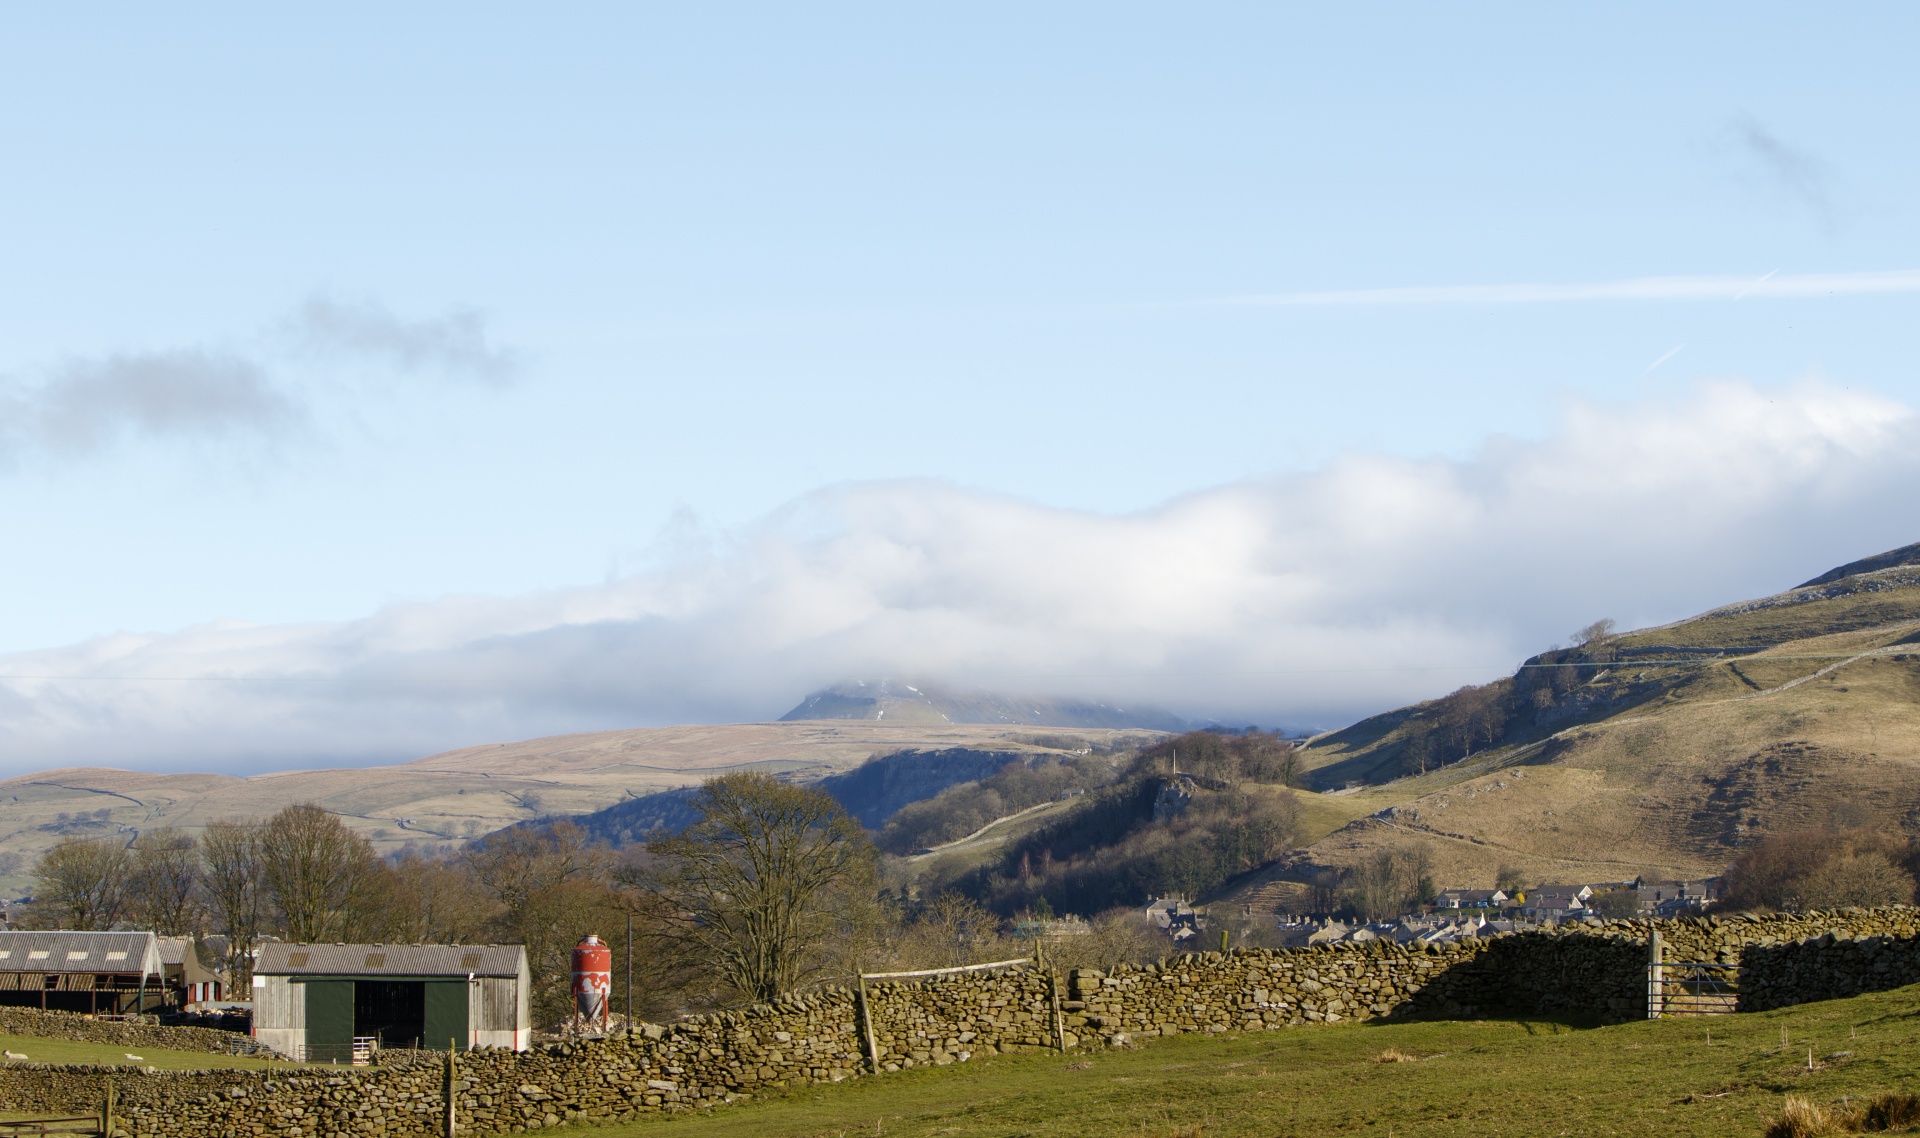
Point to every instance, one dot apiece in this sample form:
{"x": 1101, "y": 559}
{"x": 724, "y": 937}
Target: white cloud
{"x": 87, "y": 404}
{"x": 1307, "y": 600}
{"x": 453, "y": 344}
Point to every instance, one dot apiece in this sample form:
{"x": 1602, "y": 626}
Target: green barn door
{"x": 446, "y": 1014}
{"x": 330, "y": 1021}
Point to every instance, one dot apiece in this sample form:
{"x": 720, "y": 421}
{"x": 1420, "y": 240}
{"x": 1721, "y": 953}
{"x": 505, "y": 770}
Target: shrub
{"x": 1821, "y": 869}
{"x": 1799, "y": 1118}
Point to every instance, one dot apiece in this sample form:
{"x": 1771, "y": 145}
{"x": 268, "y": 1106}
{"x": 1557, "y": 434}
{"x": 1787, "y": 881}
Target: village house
{"x": 1554, "y": 908}
{"x": 1677, "y": 898}
{"x": 1578, "y": 893}
{"x": 1473, "y": 898}
{"x": 190, "y": 984}
{"x": 1173, "y": 915}
{"x": 1329, "y": 932}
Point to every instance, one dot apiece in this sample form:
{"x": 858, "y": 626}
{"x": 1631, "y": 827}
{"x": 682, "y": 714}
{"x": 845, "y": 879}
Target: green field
{"x": 1493, "y": 1077}
{"x": 43, "y": 1050}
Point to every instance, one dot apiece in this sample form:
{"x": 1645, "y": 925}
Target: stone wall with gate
{"x": 1596, "y": 972}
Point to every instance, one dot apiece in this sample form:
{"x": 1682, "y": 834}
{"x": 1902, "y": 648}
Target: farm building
{"x": 189, "y": 982}
{"x": 338, "y": 1002}
{"x": 96, "y": 973}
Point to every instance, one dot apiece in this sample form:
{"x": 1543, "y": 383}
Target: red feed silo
{"x": 592, "y": 979}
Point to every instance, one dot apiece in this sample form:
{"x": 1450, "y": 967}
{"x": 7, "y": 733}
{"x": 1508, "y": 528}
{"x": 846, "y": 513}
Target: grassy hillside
{"x": 1493, "y": 1077}
{"x": 43, "y": 1050}
{"x": 1662, "y": 751}
{"x": 459, "y": 795}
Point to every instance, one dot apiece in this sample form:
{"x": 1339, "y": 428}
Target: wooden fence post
{"x": 1053, "y": 997}
{"x": 452, "y": 1079}
{"x": 866, "y": 1028}
{"x": 1656, "y": 975}
{"x": 106, "y": 1112}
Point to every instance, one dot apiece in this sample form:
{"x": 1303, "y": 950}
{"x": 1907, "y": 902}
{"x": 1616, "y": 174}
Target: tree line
{"x": 1471, "y": 719}
{"x": 1824, "y": 868}
{"x": 774, "y": 888}
{"x": 1151, "y": 833}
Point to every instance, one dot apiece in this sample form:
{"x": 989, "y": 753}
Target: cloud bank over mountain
{"x": 1305, "y": 599}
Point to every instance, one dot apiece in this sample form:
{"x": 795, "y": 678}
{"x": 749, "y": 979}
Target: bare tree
{"x": 82, "y": 885}
{"x": 1594, "y": 633}
{"x": 751, "y": 887}
{"x": 231, "y": 859}
{"x": 434, "y": 901}
{"x": 551, "y": 888}
{"x": 315, "y": 870}
{"x": 166, "y": 873}
{"x": 1391, "y": 882}
{"x": 519, "y": 864}
{"x": 952, "y": 930}
{"x": 1867, "y": 877}
{"x": 1117, "y": 936}
{"x": 1509, "y": 878}
{"x": 1817, "y": 869}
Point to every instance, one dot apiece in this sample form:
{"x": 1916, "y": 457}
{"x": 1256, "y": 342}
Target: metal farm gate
{"x": 1689, "y": 987}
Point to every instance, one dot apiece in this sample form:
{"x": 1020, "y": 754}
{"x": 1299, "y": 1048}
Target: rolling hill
{"x": 1662, "y": 751}
{"x": 459, "y": 795}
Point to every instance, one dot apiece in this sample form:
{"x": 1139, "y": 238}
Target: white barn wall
{"x": 280, "y": 1014}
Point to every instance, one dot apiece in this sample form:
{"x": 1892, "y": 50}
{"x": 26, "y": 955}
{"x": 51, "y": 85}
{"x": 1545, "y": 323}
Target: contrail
{"x": 1756, "y": 284}
{"x": 1682, "y": 288}
{"x": 1669, "y": 354}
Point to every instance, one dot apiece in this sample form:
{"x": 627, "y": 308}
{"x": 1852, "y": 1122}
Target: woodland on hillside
{"x": 1151, "y": 832}
{"x": 1544, "y": 694}
{"x": 960, "y": 810}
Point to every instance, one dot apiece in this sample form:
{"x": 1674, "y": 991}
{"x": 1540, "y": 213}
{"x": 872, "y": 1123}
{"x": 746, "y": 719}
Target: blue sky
{"x": 307, "y": 318}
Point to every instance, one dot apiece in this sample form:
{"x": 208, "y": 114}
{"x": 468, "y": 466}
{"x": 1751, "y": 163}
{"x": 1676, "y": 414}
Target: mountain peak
{"x": 895, "y": 701}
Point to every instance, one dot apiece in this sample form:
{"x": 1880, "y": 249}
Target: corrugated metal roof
{"x": 390, "y": 960}
{"x": 78, "y": 952}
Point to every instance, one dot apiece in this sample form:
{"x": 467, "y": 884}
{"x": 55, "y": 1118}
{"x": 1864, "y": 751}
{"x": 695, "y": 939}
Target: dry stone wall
{"x": 1595, "y": 972}
{"x": 1826, "y": 956}
{"x": 941, "y": 1020}
{"x": 86, "y": 1029}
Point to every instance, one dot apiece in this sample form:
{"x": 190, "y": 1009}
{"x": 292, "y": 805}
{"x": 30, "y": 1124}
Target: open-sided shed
{"x": 329, "y": 1002}
{"x": 97, "y": 973}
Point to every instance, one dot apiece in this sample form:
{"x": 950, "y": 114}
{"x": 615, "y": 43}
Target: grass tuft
{"x": 1799, "y": 1118}
{"x": 1395, "y": 1055}
{"x": 1891, "y": 1111}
